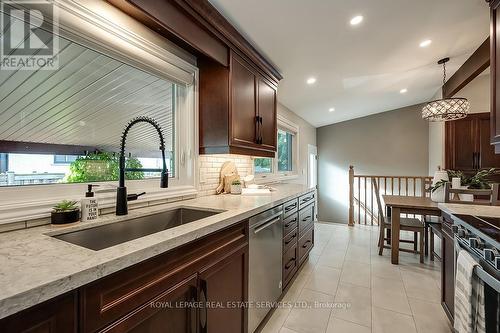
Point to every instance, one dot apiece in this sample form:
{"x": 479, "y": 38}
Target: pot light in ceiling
{"x": 331, "y": 109}
{"x": 311, "y": 80}
{"x": 356, "y": 20}
{"x": 425, "y": 43}
{"x": 403, "y": 91}
{"x": 446, "y": 109}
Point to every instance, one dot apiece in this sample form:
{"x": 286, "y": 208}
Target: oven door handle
{"x": 487, "y": 278}
{"x": 478, "y": 270}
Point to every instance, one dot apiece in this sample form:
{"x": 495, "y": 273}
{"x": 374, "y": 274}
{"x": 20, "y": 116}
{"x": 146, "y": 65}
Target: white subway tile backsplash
{"x": 210, "y": 168}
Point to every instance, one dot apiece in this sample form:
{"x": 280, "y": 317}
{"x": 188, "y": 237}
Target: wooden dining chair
{"x": 406, "y": 224}
{"x": 432, "y": 224}
{"x": 452, "y": 195}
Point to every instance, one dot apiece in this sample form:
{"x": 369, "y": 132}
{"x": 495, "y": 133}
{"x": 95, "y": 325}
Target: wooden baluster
{"x": 365, "y": 202}
{"x": 371, "y": 205}
{"x": 351, "y": 195}
{"x": 359, "y": 200}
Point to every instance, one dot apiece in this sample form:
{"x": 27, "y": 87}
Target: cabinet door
{"x": 495, "y": 72}
{"x": 267, "y": 113}
{"x": 224, "y": 286}
{"x": 243, "y": 103}
{"x": 487, "y": 157}
{"x": 461, "y": 144}
{"x": 168, "y": 313}
{"x": 58, "y": 315}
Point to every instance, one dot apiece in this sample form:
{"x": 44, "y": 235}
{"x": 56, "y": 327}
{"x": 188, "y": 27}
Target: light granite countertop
{"x": 35, "y": 267}
{"x": 477, "y": 210}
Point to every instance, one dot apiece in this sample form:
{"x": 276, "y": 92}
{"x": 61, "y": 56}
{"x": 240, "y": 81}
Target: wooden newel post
{"x": 351, "y": 195}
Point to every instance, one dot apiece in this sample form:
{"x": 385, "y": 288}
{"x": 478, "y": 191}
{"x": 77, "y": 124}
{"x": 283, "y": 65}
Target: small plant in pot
{"x": 65, "y": 212}
{"x": 236, "y": 187}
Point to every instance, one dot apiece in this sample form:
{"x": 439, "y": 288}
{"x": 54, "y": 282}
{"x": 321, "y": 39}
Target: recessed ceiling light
{"x": 403, "y": 91}
{"x": 331, "y": 109}
{"x": 425, "y": 43}
{"x": 356, "y": 20}
{"x": 311, "y": 80}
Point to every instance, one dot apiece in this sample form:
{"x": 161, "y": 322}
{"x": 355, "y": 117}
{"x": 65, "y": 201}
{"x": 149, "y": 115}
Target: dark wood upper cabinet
{"x": 468, "y": 144}
{"x": 237, "y": 85}
{"x": 242, "y": 119}
{"x": 495, "y": 73}
{"x": 243, "y": 104}
{"x": 266, "y": 93}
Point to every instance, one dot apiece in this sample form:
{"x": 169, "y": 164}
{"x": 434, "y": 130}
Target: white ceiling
{"x": 360, "y": 70}
{"x": 87, "y": 101}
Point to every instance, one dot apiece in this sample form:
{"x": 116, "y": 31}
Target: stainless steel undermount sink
{"x": 108, "y": 235}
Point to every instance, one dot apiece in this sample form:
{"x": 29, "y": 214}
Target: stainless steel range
{"x": 480, "y": 236}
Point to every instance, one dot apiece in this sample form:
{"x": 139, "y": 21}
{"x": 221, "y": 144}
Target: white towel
{"x": 469, "y": 296}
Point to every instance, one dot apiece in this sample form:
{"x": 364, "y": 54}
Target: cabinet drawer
{"x": 290, "y": 239}
{"x": 290, "y": 223}
{"x": 289, "y": 264}
{"x": 290, "y": 207}
{"x": 306, "y": 199}
{"x": 116, "y": 295}
{"x": 306, "y": 243}
{"x": 306, "y": 218}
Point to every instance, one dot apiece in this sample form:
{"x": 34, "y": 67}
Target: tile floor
{"x": 344, "y": 268}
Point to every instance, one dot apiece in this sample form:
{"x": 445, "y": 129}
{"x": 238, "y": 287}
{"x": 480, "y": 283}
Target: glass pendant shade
{"x": 446, "y": 109}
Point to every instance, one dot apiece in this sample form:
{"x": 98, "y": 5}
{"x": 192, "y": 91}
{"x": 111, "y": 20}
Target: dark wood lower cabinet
{"x": 224, "y": 287}
{"x": 161, "y": 294}
{"x": 200, "y": 287}
{"x": 448, "y": 268}
{"x": 56, "y": 315}
{"x": 169, "y": 312}
{"x": 298, "y": 234}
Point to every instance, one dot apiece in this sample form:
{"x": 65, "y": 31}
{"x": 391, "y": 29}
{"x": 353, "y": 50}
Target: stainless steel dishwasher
{"x": 265, "y": 267}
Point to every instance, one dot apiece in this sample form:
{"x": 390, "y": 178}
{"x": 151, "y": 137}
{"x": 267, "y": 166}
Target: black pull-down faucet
{"x": 121, "y": 191}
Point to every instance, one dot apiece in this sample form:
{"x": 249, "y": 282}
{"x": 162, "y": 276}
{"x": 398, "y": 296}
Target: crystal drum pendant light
{"x": 446, "y": 109}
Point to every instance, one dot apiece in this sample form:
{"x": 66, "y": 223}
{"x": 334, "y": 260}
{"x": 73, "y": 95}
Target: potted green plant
{"x": 476, "y": 181}
{"x": 236, "y": 187}
{"x": 65, "y": 212}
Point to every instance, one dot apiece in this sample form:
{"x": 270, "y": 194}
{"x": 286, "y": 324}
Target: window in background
{"x": 285, "y": 151}
{"x": 263, "y": 165}
{"x": 64, "y": 159}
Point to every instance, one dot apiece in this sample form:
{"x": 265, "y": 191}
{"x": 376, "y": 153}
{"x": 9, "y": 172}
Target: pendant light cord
{"x": 444, "y": 73}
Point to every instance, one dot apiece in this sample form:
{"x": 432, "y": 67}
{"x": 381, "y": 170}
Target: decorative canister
{"x": 438, "y": 194}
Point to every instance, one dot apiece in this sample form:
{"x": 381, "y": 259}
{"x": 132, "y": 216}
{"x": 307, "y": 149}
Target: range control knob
{"x": 476, "y": 243}
{"x": 462, "y": 233}
{"x": 489, "y": 255}
{"x": 454, "y": 228}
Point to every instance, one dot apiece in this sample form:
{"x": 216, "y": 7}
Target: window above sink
{"x": 63, "y": 126}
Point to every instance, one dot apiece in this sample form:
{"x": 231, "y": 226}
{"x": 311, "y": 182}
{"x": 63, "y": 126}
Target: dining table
{"x": 406, "y": 205}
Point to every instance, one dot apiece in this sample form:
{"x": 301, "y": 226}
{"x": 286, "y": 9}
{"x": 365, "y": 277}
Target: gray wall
{"x": 390, "y": 143}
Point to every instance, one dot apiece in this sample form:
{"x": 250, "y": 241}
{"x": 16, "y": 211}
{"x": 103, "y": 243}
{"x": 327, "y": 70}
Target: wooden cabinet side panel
{"x": 448, "y": 270}
{"x": 495, "y": 71}
{"x": 214, "y": 104}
